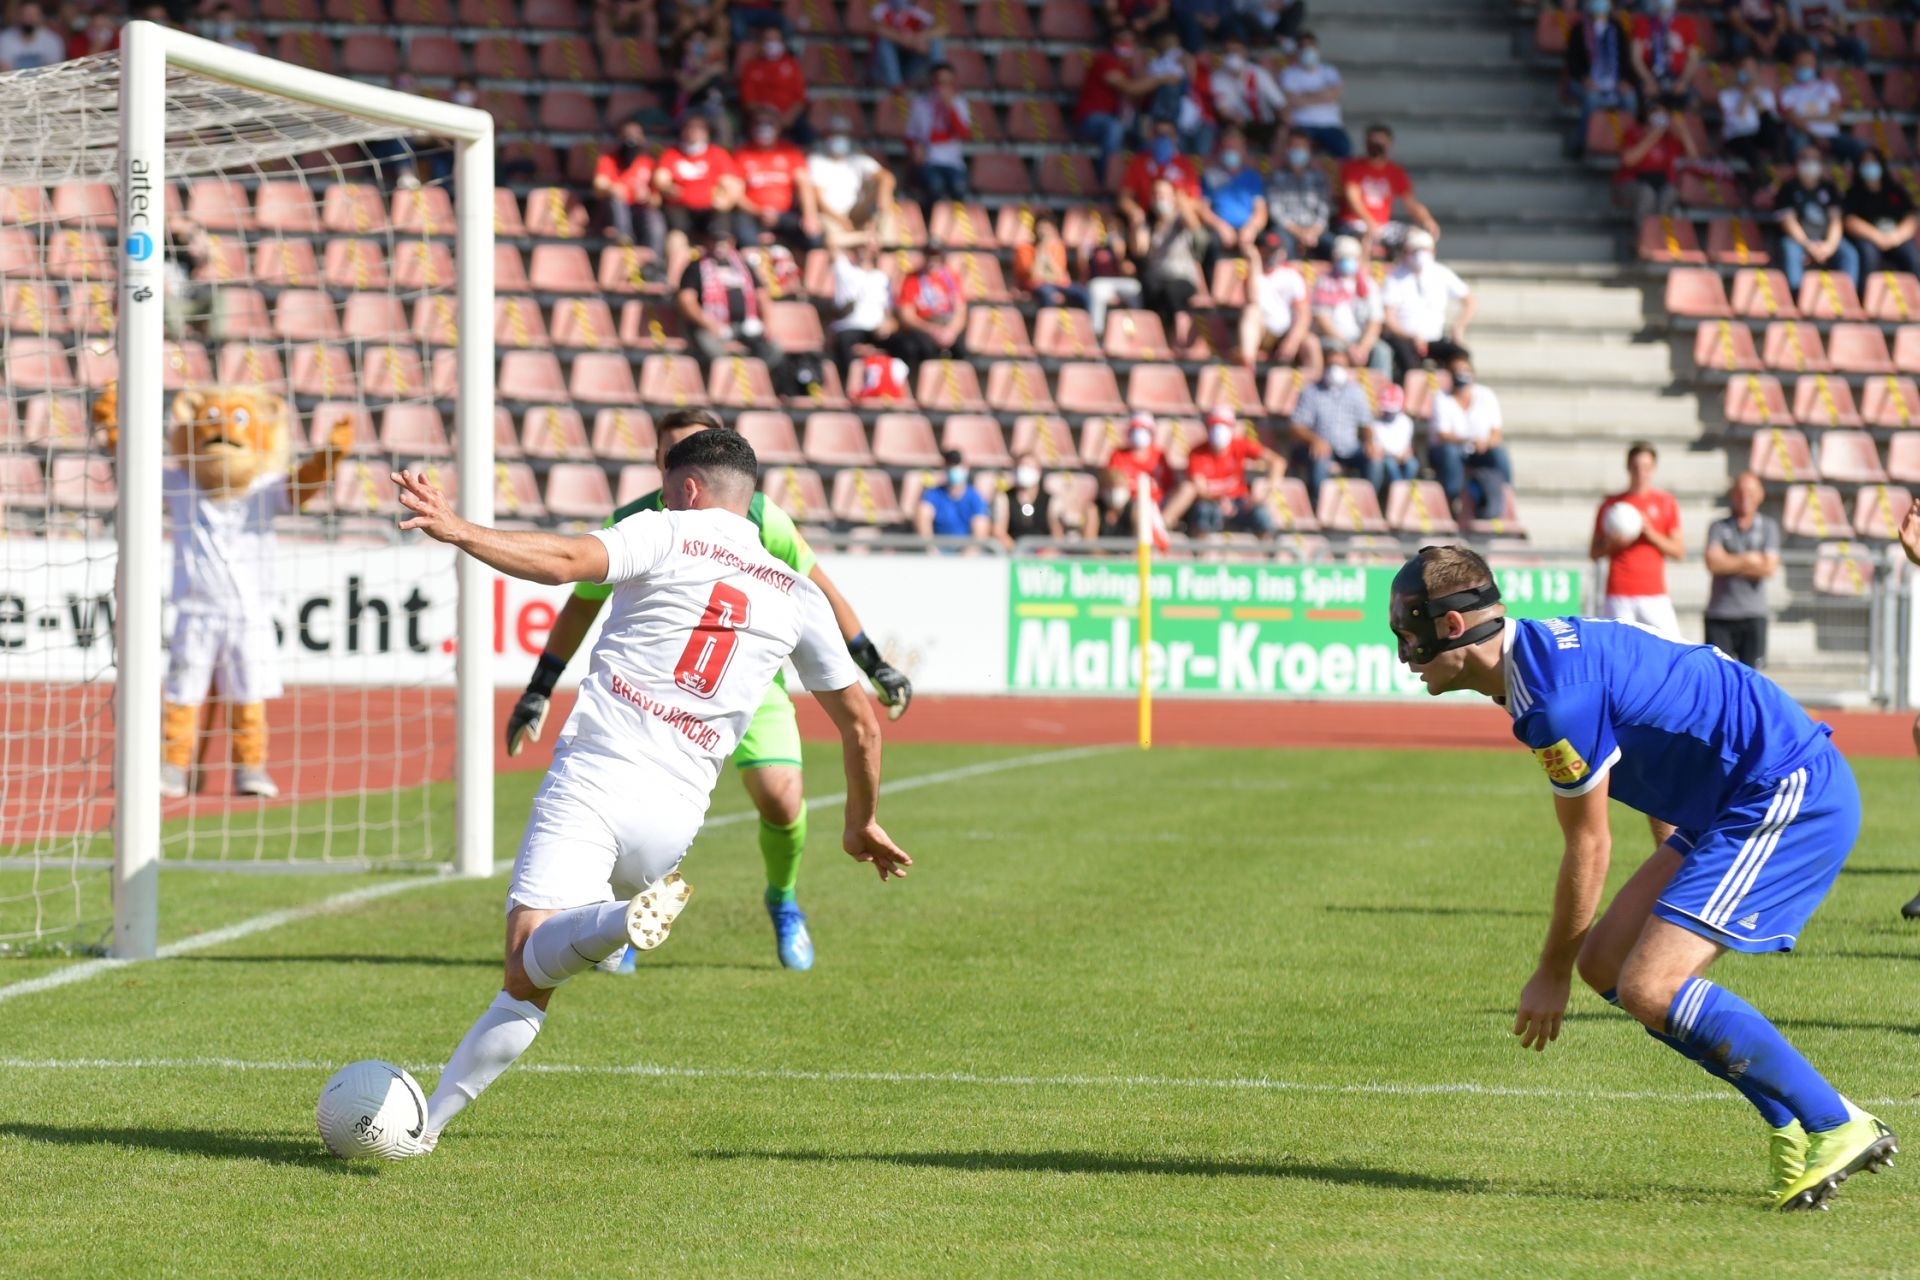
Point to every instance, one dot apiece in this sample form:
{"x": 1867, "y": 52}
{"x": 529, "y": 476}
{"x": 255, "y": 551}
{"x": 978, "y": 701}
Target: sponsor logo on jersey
{"x": 1563, "y": 764}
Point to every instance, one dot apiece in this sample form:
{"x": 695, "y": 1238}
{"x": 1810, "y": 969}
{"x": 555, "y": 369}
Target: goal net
{"x": 237, "y": 294}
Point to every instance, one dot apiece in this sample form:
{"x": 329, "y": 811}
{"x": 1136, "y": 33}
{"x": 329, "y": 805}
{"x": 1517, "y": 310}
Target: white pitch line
{"x": 1221, "y": 1084}
{"x": 274, "y": 919}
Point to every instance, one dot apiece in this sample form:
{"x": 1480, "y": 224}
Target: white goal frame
{"x": 147, "y": 53}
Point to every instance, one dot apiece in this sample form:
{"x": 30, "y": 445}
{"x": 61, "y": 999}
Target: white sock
{"x": 494, "y": 1042}
{"x": 570, "y": 942}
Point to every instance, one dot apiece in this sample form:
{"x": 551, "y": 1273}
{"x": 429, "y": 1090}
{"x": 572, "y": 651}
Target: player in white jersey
{"x": 701, "y": 619}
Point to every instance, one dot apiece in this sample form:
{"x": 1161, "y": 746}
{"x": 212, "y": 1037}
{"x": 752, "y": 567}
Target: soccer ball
{"x": 372, "y": 1111}
{"x": 1624, "y": 523}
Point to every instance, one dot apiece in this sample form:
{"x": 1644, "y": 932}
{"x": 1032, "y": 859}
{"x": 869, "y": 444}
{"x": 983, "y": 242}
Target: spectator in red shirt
{"x": 1370, "y": 186}
{"x": 1649, "y": 159}
{"x": 906, "y": 43}
{"x": 777, "y": 202}
{"x": 1110, "y": 96}
{"x": 694, "y": 180}
{"x": 101, "y": 34}
{"x": 931, "y": 313}
{"x": 771, "y": 79}
{"x": 1637, "y": 566}
{"x": 1216, "y": 495}
{"x": 1160, "y": 160}
{"x": 938, "y": 129}
{"x": 623, "y": 177}
{"x": 1665, "y": 53}
{"x": 1143, "y": 457}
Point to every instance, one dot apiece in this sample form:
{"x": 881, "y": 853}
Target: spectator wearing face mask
{"x": 1041, "y": 269}
{"x": 955, "y": 510}
{"x": 623, "y": 177}
{"x": 1370, "y": 186}
{"x": 30, "y": 42}
{"x": 1417, "y": 298}
{"x": 1750, "y": 120}
{"x": 1649, "y": 163}
{"x": 1181, "y": 95}
{"x": 101, "y": 34}
{"x": 1300, "y": 200}
{"x": 1160, "y": 161}
{"x": 1204, "y": 23}
{"x": 719, "y": 303}
{"x": 1332, "y": 427}
{"x": 694, "y": 181}
{"x": 1879, "y": 217}
{"x": 777, "y": 202}
{"x": 854, "y": 190}
{"x": 1143, "y": 456}
{"x": 1391, "y": 442}
{"x": 906, "y": 43}
{"x": 1276, "y": 321}
{"x": 223, "y": 27}
{"x": 1811, "y": 106}
{"x": 939, "y": 126}
{"x": 1112, "y": 507}
{"x": 1167, "y": 247}
{"x": 1821, "y": 25}
{"x": 1026, "y": 510}
{"x": 930, "y": 313}
{"x": 1216, "y": 496}
{"x": 1347, "y": 316}
{"x": 1599, "y": 49}
{"x": 1665, "y": 53}
{"x": 1757, "y": 28}
{"x": 1313, "y": 88}
{"x": 1234, "y": 206}
{"x": 1245, "y": 95}
{"x": 1466, "y": 443}
{"x": 861, "y": 315}
{"x": 1112, "y": 276}
{"x": 771, "y": 81}
{"x": 1810, "y": 210}
{"x": 701, "y": 78}
{"x": 1273, "y": 21}
{"x": 1110, "y": 96}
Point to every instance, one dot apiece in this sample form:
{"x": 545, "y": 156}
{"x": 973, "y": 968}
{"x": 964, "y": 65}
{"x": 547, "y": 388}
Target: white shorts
{"x": 240, "y": 652}
{"x": 601, "y": 829}
{"x": 1649, "y": 611}
{"x": 1275, "y": 328}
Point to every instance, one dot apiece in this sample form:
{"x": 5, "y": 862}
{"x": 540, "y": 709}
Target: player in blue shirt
{"x": 1765, "y": 811}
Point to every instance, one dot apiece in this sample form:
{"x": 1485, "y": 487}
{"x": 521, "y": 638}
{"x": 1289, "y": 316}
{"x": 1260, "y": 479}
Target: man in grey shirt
{"x": 1743, "y": 551}
{"x": 1332, "y": 428}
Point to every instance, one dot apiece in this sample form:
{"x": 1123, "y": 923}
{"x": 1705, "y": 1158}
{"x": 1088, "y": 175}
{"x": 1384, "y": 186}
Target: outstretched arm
{"x": 862, "y": 837}
{"x": 316, "y": 473}
{"x": 1583, "y": 873}
{"x": 536, "y": 557}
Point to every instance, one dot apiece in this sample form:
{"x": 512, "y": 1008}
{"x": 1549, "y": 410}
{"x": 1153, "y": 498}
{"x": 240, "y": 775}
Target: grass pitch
{"x": 1187, "y": 1013}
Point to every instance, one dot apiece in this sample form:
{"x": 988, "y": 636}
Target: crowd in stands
{"x": 1244, "y": 225}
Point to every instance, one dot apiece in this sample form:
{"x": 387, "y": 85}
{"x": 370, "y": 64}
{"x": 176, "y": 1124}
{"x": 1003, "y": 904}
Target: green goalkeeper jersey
{"x": 777, "y": 534}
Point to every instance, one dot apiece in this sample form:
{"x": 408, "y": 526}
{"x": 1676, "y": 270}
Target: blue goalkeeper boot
{"x": 790, "y": 935}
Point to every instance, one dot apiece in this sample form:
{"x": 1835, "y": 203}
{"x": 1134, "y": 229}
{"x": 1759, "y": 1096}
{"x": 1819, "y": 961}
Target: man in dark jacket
{"x": 1599, "y": 67}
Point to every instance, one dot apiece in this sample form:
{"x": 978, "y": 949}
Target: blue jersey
{"x": 1678, "y": 730}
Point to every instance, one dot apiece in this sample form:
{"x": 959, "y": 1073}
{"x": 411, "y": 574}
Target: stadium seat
{"x": 366, "y": 440}
{"x": 586, "y": 324}
{"x": 633, "y": 61}
{"x": 1737, "y": 242}
{"x": 1036, "y": 121}
{"x": 562, "y": 268}
{"x": 1068, "y": 175}
{"x": 1045, "y": 436}
{"x": 436, "y": 322}
{"x": 1814, "y": 511}
{"x": 1507, "y": 524}
{"x": 648, "y": 326}
{"x": 1002, "y": 20}
{"x": 1136, "y": 335}
{"x": 392, "y": 372}
{"x": 979, "y": 440}
{"x": 1229, "y": 284}
{"x": 507, "y": 222}
{"x": 414, "y": 431}
{"x": 362, "y": 486}
{"x": 423, "y": 211}
{"x": 1859, "y": 348}
{"x": 532, "y": 377}
{"x": 1089, "y": 388}
{"x": 1792, "y": 346}
{"x": 1018, "y": 386}
{"x": 567, "y": 111}
{"x": 96, "y": 368}
{"x": 1024, "y": 70}
{"x": 1893, "y": 297}
{"x": 1073, "y": 68}
{"x": 186, "y": 365}
{"x": 441, "y": 56}
{"x": 20, "y": 254}
{"x": 286, "y": 263}
{"x": 1229, "y": 385}
{"x": 24, "y": 206}
{"x": 90, "y": 309}
{"x": 1878, "y": 510}
{"x": 554, "y": 432}
{"x": 37, "y": 364}
{"x": 510, "y": 270}
{"x": 1900, "y": 89}
{"x": 794, "y": 327}
{"x": 1419, "y": 507}
{"x": 421, "y": 266}
{"x": 227, "y": 261}
{"x": 905, "y": 440}
{"x": 830, "y": 66}
{"x": 604, "y": 377}
{"x": 1903, "y": 458}
{"x": 1890, "y": 402}
{"x": 1849, "y": 457}
{"x": 772, "y": 436}
{"x": 636, "y": 481}
{"x": 1906, "y": 348}
{"x": 305, "y": 49}
{"x": 1842, "y": 569}
{"x": 34, "y": 308}
{"x": 672, "y": 380}
{"x": 76, "y": 482}
{"x": 579, "y": 491}
{"x": 962, "y": 226}
{"x": 1829, "y": 295}
{"x": 219, "y": 205}
{"x": 355, "y": 264}
{"x": 305, "y": 315}
{"x": 502, "y": 58}
{"x": 949, "y": 386}
{"x": 796, "y": 491}
{"x": 1670, "y": 240}
{"x": 1762, "y": 294}
{"x": 369, "y": 54}
{"x": 21, "y": 485}
{"x": 1820, "y": 400}
{"x": 1292, "y": 507}
{"x": 623, "y": 435}
{"x": 1099, "y": 438}
{"x": 1349, "y": 506}
{"x": 1724, "y": 346}
{"x": 518, "y": 325}
{"x": 1065, "y": 333}
{"x": 833, "y": 440}
{"x": 516, "y": 492}
{"x": 865, "y": 496}
{"x": 1159, "y": 388}
{"x": 79, "y": 255}
{"x": 557, "y": 213}
{"x": 739, "y": 382}
{"x": 510, "y": 110}
{"x": 1695, "y": 293}
{"x": 997, "y": 332}
{"x": 323, "y": 370}
{"x": 85, "y": 202}
{"x": 52, "y": 422}
{"x": 1756, "y": 400}
{"x": 353, "y": 208}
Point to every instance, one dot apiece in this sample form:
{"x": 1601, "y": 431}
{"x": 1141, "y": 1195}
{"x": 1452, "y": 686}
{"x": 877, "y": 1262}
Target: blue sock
{"x": 1728, "y": 1031}
{"x": 1771, "y": 1110}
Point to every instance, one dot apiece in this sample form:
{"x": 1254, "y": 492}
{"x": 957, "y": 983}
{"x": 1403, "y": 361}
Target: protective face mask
{"x": 839, "y": 146}
{"x": 693, "y": 148}
{"x": 1809, "y": 170}
{"x": 772, "y": 48}
{"x": 1219, "y": 437}
{"x": 1664, "y": 8}
{"x": 1140, "y": 439}
{"x": 1026, "y": 477}
{"x": 1462, "y": 378}
{"x": 1117, "y": 497}
{"x": 223, "y": 30}
{"x": 1336, "y": 375}
{"x": 1422, "y": 259}
{"x": 465, "y": 97}
{"x": 1123, "y": 51}
{"x": 1229, "y": 159}
{"x": 1803, "y": 74}
{"x": 1743, "y": 77}
{"x": 764, "y": 134}
{"x": 1163, "y": 150}
{"x": 1163, "y": 208}
{"x": 1234, "y": 61}
{"x": 1871, "y": 172}
{"x": 1347, "y": 266}
{"x": 1599, "y": 8}
{"x": 1298, "y": 157}
{"x": 956, "y": 476}
{"x": 1309, "y": 57}
{"x": 1658, "y": 120}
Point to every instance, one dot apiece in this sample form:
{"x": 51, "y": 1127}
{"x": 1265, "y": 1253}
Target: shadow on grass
{"x": 1416, "y": 909}
{"x": 445, "y": 962}
{"x": 305, "y": 1152}
{"x": 1096, "y": 1162}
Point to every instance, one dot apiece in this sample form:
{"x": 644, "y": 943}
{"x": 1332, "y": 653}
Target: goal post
{"x": 189, "y": 107}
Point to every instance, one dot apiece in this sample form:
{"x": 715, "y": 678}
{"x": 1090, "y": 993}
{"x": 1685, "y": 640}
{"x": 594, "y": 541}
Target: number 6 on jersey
{"x": 703, "y": 663}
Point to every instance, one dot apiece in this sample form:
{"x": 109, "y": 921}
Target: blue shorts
{"x": 1752, "y": 880}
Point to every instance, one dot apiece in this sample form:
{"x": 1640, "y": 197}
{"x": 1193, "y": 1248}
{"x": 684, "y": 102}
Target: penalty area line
{"x": 86, "y": 969}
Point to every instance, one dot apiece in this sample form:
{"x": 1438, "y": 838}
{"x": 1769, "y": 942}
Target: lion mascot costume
{"x": 228, "y": 475}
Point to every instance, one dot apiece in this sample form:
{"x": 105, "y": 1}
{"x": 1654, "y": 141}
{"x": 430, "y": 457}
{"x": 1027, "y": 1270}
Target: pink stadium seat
{"x": 510, "y": 110}
{"x": 905, "y": 440}
{"x": 392, "y": 373}
{"x": 1696, "y": 293}
{"x": 1820, "y": 400}
{"x": 1293, "y": 507}
{"x": 21, "y": 485}
{"x": 1848, "y": 457}
{"x": 568, "y": 111}
{"x": 358, "y": 13}
{"x": 305, "y": 49}
{"x": 442, "y": 56}
{"x": 353, "y": 208}
{"x": 1756, "y": 400}
{"x": 34, "y": 308}
{"x": 1842, "y": 569}
{"x": 864, "y": 496}
{"x": 1349, "y": 506}
{"x": 1737, "y": 242}
{"x": 79, "y": 255}
{"x": 1906, "y": 348}
{"x": 287, "y": 263}
{"x": 980, "y": 276}
{"x": 516, "y": 492}
{"x": 962, "y": 226}
{"x": 1890, "y": 402}
{"x": 1670, "y": 240}
{"x": 1063, "y": 333}
{"x": 557, "y": 213}
{"x": 90, "y": 309}
{"x": 1814, "y": 511}
{"x": 600, "y": 377}
{"x": 20, "y": 253}
{"x": 1136, "y": 335}
{"x": 1158, "y": 388}
{"x": 1045, "y": 436}
{"x": 362, "y": 486}
{"x": 579, "y": 491}
{"x": 1724, "y": 346}
{"x": 25, "y": 205}
{"x": 1100, "y": 438}
{"x": 502, "y": 58}
{"x": 410, "y": 431}
{"x": 51, "y": 422}
{"x": 1018, "y": 386}
{"x": 636, "y": 481}
{"x": 1024, "y": 70}
{"x": 1893, "y": 297}
{"x": 1089, "y": 388}
{"x": 794, "y": 327}
{"x": 253, "y": 364}
{"x": 836, "y": 440}
{"x": 797, "y": 491}
{"x": 1878, "y": 510}
{"x": 1829, "y": 295}
{"x": 554, "y": 432}
{"x": 584, "y": 323}
{"x": 365, "y": 439}
{"x": 1781, "y": 454}
{"x": 1859, "y": 348}
{"x": 186, "y": 364}
{"x": 620, "y": 269}
{"x": 509, "y": 269}
{"x": 1762, "y": 294}
{"x": 979, "y": 440}
{"x": 772, "y": 436}
{"x": 96, "y": 369}
{"x": 1230, "y": 385}
{"x": 623, "y": 434}
{"x": 507, "y": 222}
{"x": 570, "y": 59}
{"x": 949, "y": 386}
{"x": 532, "y": 376}
{"x": 1903, "y": 458}
{"x": 355, "y": 264}
{"x": 997, "y": 331}
{"x": 518, "y": 325}
{"x": 83, "y": 202}
{"x": 648, "y": 326}
{"x": 739, "y": 382}
{"x": 1419, "y": 507}
{"x": 436, "y": 321}
{"x": 369, "y": 54}
{"x": 562, "y": 268}
{"x": 37, "y": 364}
{"x": 323, "y": 370}
{"x": 1793, "y": 346}
{"x": 78, "y": 483}
{"x": 1067, "y": 174}
{"x": 219, "y": 205}
{"x": 671, "y": 381}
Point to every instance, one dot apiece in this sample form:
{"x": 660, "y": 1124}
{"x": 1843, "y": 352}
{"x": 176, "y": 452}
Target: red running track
{"x": 56, "y": 753}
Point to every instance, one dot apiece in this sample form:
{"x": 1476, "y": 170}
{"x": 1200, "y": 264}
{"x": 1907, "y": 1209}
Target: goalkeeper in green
{"x": 768, "y": 757}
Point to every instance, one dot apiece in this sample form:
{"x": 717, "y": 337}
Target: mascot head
{"x": 227, "y": 437}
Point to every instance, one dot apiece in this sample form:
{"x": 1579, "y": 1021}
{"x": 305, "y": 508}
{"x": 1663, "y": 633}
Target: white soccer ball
{"x": 1624, "y": 523}
{"x": 372, "y": 1111}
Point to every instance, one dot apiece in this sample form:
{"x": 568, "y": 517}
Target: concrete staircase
{"x": 1569, "y": 334}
